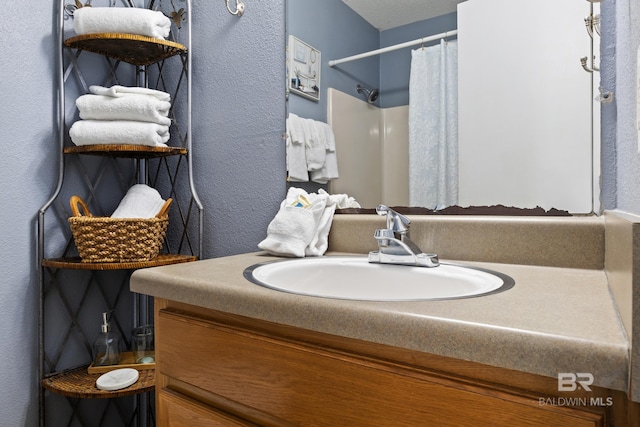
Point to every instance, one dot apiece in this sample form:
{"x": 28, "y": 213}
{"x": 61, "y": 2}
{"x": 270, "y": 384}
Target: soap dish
{"x": 117, "y": 379}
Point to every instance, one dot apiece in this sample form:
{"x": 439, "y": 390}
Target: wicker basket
{"x": 105, "y": 239}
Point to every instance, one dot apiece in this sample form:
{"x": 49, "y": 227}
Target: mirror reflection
{"x": 484, "y": 108}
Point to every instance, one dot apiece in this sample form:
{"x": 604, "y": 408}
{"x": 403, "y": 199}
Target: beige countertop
{"x": 553, "y": 320}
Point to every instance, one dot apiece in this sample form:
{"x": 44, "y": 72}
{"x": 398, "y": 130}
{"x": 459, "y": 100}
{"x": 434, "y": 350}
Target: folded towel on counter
{"x": 301, "y": 226}
{"x": 118, "y": 91}
{"x": 141, "y": 201}
{"x": 130, "y": 20}
{"x": 296, "y": 150}
{"x": 143, "y": 108}
{"x": 94, "y": 132}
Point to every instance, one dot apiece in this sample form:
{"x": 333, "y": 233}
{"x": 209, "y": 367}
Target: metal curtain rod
{"x": 394, "y": 47}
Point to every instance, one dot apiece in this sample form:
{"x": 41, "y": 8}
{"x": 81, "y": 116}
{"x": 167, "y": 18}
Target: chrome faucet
{"x": 395, "y": 246}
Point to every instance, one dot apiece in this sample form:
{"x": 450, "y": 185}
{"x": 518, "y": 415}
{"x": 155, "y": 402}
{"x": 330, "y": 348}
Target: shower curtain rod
{"x": 394, "y": 47}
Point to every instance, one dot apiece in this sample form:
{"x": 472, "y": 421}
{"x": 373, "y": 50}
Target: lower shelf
{"x": 80, "y": 384}
{"x": 76, "y": 263}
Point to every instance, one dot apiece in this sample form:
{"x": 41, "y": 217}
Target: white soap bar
{"x": 117, "y": 379}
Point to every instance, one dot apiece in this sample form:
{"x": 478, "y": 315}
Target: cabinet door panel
{"x": 177, "y": 411}
{"x": 315, "y": 386}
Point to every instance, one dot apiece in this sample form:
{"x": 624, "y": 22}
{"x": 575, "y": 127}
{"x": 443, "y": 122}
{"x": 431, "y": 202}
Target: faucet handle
{"x": 395, "y": 221}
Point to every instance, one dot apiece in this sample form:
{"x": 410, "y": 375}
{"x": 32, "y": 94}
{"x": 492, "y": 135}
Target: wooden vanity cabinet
{"x": 216, "y": 369}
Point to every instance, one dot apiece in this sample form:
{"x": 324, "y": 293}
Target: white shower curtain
{"x": 433, "y": 126}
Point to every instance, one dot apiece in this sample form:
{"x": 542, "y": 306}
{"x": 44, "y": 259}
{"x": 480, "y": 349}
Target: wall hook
{"x": 239, "y": 8}
{"x": 583, "y": 62}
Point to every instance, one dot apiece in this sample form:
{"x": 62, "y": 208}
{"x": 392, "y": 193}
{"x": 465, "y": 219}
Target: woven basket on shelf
{"x": 105, "y": 239}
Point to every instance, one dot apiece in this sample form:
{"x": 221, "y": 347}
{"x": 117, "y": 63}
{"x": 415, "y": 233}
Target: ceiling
{"x": 386, "y": 14}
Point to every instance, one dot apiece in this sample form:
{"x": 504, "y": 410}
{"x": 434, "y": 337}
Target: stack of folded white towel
{"x": 122, "y": 115}
{"x": 129, "y": 20}
{"x": 311, "y": 150}
{"x": 141, "y": 201}
{"x": 301, "y": 226}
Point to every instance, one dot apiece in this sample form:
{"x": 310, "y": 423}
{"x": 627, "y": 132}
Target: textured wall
{"x": 625, "y": 151}
{"x": 27, "y": 173}
{"x": 238, "y": 112}
{"x": 238, "y": 121}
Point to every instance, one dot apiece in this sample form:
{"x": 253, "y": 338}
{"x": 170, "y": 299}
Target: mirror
{"x": 528, "y": 127}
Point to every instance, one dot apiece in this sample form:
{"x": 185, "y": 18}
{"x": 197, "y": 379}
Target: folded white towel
{"x": 143, "y": 108}
{"x": 301, "y": 226}
{"x": 129, "y": 20}
{"x": 315, "y": 145}
{"x": 320, "y": 241}
{"x": 329, "y": 169}
{"x": 117, "y": 90}
{"x": 329, "y": 137}
{"x": 296, "y": 150}
{"x": 93, "y": 132}
{"x": 141, "y": 201}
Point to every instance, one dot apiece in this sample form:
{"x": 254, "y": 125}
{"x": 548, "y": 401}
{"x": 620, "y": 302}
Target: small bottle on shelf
{"x": 107, "y": 346}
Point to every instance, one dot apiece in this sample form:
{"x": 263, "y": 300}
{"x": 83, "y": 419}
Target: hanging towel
{"x": 143, "y": 108}
{"x": 141, "y": 201}
{"x": 301, "y": 226}
{"x": 129, "y": 20}
{"x": 118, "y": 90}
{"x": 296, "y": 150}
{"x": 315, "y": 150}
{"x": 92, "y": 132}
{"x": 329, "y": 169}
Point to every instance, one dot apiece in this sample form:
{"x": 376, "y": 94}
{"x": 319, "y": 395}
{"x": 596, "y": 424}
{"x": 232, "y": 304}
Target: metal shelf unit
{"x": 72, "y": 292}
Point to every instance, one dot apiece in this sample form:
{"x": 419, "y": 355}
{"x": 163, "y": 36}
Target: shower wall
{"x": 372, "y": 146}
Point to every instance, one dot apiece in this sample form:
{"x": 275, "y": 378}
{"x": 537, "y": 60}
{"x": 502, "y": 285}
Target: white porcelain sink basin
{"x": 354, "y": 278}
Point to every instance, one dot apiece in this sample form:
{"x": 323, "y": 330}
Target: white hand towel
{"x": 342, "y": 201}
{"x": 118, "y": 90}
{"x": 328, "y": 171}
{"x": 315, "y": 146}
{"x": 130, "y": 20}
{"x": 326, "y": 207}
{"x": 137, "y": 107}
{"x": 329, "y": 137}
{"x": 295, "y": 150}
{"x": 302, "y": 228}
{"x": 141, "y": 201}
{"x": 291, "y": 230}
{"x": 93, "y": 132}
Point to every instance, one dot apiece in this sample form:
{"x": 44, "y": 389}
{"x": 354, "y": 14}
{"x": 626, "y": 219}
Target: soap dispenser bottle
{"x": 106, "y": 347}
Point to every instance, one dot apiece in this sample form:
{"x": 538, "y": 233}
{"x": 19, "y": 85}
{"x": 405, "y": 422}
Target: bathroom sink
{"x": 354, "y": 278}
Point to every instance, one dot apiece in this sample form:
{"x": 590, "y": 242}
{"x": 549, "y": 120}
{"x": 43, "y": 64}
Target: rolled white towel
{"x": 142, "y": 108}
{"x": 95, "y": 132}
{"x": 141, "y": 201}
{"x": 117, "y": 91}
{"x": 129, "y": 20}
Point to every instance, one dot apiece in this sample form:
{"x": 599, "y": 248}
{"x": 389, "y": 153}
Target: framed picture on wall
{"x": 303, "y": 69}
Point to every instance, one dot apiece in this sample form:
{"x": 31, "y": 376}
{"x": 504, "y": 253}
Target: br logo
{"x": 568, "y": 381}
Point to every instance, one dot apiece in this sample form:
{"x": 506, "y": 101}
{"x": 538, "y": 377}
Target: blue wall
{"x": 336, "y": 31}
{"x": 239, "y": 167}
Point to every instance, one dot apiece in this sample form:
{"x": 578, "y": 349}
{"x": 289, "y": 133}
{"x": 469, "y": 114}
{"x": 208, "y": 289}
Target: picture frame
{"x": 303, "y": 69}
